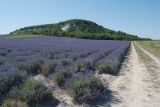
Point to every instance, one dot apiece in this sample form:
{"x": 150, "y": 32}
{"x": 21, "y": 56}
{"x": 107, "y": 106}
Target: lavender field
{"x": 65, "y": 60}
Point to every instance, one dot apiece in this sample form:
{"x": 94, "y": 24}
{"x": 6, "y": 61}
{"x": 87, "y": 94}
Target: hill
{"x": 77, "y": 28}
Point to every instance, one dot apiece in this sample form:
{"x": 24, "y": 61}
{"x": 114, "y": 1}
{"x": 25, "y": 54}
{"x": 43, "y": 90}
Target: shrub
{"x": 74, "y": 58}
{"x": 85, "y": 88}
{"x": 66, "y": 62}
{"x": 33, "y": 68}
{"x": 8, "y": 103}
{"x": 1, "y": 62}
{"x": 104, "y": 68}
{"x": 6, "y": 83}
{"x": 79, "y": 68}
{"x": 46, "y": 69}
{"x": 66, "y": 74}
{"x": 32, "y": 91}
{"x": 60, "y": 77}
{"x": 89, "y": 64}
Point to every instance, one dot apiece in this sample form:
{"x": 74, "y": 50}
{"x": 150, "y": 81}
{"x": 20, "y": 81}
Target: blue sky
{"x": 140, "y": 17}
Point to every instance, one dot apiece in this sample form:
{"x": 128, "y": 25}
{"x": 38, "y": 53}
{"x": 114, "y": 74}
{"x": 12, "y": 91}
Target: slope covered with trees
{"x": 77, "y": 28}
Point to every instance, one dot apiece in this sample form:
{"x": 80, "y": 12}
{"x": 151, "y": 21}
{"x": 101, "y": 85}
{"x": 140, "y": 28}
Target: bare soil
{"x": 137, "y": 86}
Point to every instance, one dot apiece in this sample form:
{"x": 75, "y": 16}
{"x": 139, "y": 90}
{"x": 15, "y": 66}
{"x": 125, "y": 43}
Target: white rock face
{"x": 66, "y": 27}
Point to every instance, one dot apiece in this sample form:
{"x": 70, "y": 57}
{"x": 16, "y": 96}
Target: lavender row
{"x": 66, "y": 53}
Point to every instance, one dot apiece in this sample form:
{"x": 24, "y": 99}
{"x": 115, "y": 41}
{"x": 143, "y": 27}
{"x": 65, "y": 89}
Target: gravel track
{"x": 134, "y": 87}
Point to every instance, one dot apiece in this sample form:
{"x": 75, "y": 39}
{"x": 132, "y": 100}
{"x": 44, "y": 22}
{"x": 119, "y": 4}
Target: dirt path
{"x": 133, "y": 87}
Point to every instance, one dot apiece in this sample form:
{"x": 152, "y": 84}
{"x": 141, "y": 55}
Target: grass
{"x": 60, "y": 77}
{"x": 47, "y": 69}
{"x": 146, "y": 60}
{"x": 151, "y": 46}
{"x": 34, "y": 67}
{"x": 8, "y": 103}
{"x": 89, "y": 64}
{"x": 19, "y": 36}
{"x": 79, "y": 68}
{"x": 104, "y": 68}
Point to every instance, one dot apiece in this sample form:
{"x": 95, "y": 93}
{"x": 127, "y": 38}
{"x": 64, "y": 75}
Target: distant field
{"x": 151, "y": 46}
{"x": 19, "y": 36}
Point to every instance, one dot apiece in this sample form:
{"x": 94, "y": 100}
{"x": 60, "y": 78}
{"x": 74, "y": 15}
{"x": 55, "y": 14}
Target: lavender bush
{"x": 8, "y": 103}
{"x": 104, "y": 68}
{"x": 85, "y": 88}
{"x": 47, "y": 68}
{"x": 64, "y": 52}
{"x": 52, "y": 55}
{"x": 32, "y": 91}
{"x": 79, "y": 68}
{"x": 11, "y": 79}
{"x": 60, "y": 77}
